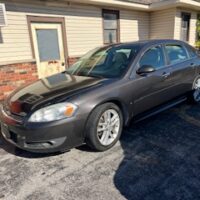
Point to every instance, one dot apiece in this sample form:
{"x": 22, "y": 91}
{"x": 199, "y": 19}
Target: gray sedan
{"x": 101, "y": 93}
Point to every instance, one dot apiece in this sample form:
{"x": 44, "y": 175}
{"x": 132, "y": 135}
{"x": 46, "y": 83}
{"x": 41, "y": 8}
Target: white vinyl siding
{"x": 193, "y": 23}
{"x": 162, "y": 24}
{"x": 83, "y": 30}
{"x": 134, "y": 25}
{"x": 15, "y": 44}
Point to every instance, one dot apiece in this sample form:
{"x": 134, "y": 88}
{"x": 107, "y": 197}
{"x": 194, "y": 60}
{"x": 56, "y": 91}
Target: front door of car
{"x": 153, "y": 88}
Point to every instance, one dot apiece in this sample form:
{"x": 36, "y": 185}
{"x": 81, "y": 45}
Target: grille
{"x": 13, "y": 137}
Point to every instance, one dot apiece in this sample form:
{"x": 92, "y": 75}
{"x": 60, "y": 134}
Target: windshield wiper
{"x": 65, "y": 72}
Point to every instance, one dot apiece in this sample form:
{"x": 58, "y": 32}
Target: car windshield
{"x": 106, "y": 62}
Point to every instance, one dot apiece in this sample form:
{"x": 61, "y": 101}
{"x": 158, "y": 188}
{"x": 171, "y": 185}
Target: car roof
{"x": 146, "y": 42}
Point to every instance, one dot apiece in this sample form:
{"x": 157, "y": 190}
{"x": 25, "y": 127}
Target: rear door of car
{"x": 152, "y": 89}
{"x": 182, "y": 68}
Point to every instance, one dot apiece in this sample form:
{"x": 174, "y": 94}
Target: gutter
{"x": 189, "y": 4}
{"x": 114, "y": 3}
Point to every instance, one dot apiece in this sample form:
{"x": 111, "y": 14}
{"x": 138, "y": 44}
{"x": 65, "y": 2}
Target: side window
{"x": 192, "y": 52}
{"x": 176, "y": 53}
{"x": 153, "y": 57}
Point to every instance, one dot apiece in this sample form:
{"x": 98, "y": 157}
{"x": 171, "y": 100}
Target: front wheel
{"x": 104, "y": 127}
{"x": 195, "y": 96}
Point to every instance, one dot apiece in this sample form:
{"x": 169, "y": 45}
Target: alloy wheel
{"x": 196, "y": 93}
{"x": 108, "y": 127}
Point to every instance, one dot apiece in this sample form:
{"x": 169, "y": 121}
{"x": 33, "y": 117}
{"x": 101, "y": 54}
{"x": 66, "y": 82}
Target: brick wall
{"x": 16, "y": 75}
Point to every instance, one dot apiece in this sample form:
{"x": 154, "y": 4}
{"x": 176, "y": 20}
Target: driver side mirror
{"x": 146, "y": 69}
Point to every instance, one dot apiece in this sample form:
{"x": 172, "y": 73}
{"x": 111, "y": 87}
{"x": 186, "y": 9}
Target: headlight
{"x": 54, "y": 112}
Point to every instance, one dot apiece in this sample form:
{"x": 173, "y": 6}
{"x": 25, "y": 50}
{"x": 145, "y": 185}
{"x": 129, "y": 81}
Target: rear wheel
{"x": 104, "y": 127}
{"x": 195, "y": 96}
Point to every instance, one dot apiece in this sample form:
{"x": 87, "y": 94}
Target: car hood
{"x": 49, "y": 90}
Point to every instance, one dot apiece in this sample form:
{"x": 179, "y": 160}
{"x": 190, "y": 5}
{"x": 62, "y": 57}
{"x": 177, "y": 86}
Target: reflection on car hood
{"x": 48, "y": 90}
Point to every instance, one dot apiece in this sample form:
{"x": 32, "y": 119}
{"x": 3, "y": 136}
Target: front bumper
{"x": 43, "y": 137}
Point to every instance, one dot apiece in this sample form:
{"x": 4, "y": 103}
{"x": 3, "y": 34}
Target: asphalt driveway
{"x": 158, "y": 158}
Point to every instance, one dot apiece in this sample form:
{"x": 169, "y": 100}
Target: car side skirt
{"x": 159, "y": 109}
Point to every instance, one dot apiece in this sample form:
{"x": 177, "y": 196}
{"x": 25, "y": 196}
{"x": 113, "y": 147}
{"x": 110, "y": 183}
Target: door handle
{"x": 166, "y": 74}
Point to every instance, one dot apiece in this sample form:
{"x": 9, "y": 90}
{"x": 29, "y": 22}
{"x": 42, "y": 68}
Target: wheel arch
{"x": 120, "y": 104}
{"x": 123, "y": 109}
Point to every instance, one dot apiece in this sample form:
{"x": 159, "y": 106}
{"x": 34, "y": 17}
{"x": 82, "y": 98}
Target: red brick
{"x": 11, "y": 77}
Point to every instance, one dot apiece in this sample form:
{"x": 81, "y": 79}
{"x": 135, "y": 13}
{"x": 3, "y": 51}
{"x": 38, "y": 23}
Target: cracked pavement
{"x": 158, "y": 158}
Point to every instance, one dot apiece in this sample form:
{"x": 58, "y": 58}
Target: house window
{"x": 110, "y": 26}
{"x": 185, "y": 26}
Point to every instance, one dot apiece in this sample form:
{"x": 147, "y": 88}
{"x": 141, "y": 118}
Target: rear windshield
{"x": 107, "y": 62}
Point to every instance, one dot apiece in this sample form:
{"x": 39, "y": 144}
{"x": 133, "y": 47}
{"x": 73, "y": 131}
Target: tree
{"x": 198, "y": 32}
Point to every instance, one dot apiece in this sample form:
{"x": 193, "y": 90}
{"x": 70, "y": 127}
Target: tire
{"x": 194, "y": 96}
{"x": 95, "y": 138}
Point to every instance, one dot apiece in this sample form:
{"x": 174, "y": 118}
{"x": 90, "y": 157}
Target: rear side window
{"x": 192, "y": 52}
{"x": 176, "y": 53}
{"x": 153, "y": 57}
